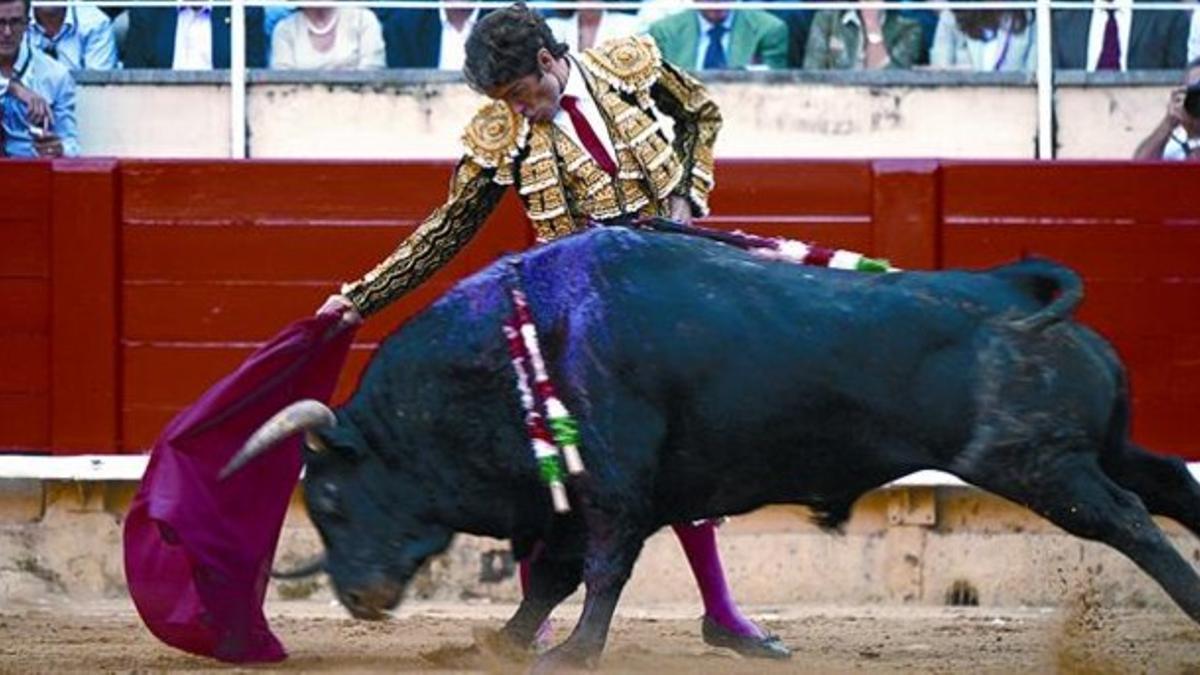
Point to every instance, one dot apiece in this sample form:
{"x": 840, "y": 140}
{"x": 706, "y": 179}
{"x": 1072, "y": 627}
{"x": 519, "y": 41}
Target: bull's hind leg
{"x": 1076, "y": 495}
{"x": 1164, "y": 483}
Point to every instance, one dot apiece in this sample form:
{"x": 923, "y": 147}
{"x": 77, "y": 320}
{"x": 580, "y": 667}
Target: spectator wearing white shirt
{"x": 585, "y": 28}
{"x": 328, "y": 38}
{"x": 189, "y": 37}
{"x": 78, "y": 36}
{"x": 985, "y": 40}
{"x": 1177, "y": 135}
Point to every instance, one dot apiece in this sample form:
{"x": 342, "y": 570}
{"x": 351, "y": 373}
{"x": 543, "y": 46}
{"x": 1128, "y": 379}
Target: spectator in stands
{"x": 928, "y": 19}
{"x": 862, "y": 39}
{"x": 720, "y": 39}
{"x": 585, "y": 28}
{"x": 37, "y": 94}
{"x": 798, "y": 22}
{"x": 328, "y": 37}
{"x": 428, "y": 38}
{"x": 985, "y": 40}
{"x": 78, "y": 36}
{"x": 272, "y": 15}
{"x": 1114, "y": 36}
{"x": 1177, "y": 136}
{"x": 189, "y": 37}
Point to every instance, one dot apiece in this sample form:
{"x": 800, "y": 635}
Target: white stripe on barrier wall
{"x": 131, "y": 468}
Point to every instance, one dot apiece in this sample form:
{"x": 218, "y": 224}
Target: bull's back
{"x": 756, "y": 344}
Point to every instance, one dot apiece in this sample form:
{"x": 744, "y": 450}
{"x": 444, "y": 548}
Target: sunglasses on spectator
{"x": 13, "y": 24}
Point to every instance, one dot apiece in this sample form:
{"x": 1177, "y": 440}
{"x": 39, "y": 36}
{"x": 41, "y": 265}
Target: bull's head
{"x": 369, "y": 516}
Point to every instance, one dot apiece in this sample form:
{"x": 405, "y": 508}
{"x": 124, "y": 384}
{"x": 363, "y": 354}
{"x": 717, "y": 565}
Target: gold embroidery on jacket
{"x": 473, "y": 195}
{"x": 560, "y": 184}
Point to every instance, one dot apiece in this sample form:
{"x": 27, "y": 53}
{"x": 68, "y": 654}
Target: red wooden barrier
{"x": 131, "y": 286}
{"x": 1133, "y": 231}
{"x": 25, "y": 312}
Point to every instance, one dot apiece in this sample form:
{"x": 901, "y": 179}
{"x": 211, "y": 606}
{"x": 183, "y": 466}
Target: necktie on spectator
{"x": 714, "y": 56}
{"x": 1110, "y": 51}
{"x": 591, "y": 142}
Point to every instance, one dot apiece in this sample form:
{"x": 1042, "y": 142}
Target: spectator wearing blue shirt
{"x": 37, "y": 94}
{"x": 78, "y": 36}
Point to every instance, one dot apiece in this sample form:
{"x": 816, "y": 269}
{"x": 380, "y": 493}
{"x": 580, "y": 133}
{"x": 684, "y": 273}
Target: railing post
{"x": 237, "y": 79}
{"x": 1045, "y": 81}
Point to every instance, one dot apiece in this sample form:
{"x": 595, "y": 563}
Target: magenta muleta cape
{"x": 198, "y": 551}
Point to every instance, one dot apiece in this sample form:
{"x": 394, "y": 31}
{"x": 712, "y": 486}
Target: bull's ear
{"x": 314, "y": 443}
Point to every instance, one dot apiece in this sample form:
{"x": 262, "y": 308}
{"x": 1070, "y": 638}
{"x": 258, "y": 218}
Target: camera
{"x": 1191, "y": 100}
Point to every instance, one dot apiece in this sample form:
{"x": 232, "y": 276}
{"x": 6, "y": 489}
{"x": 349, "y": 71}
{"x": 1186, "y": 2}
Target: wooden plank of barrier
{"x": 84, "y": 308}
{"x": 24, "y": 314}
{"x": 1125, "y": 228}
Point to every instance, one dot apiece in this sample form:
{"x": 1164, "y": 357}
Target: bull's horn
{"x": 305, "y": 569}
{"x": 299, "y": 416}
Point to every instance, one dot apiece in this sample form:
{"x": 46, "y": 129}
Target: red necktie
{"x": 591, "y": 142}
{"x": 1110, "y": 49}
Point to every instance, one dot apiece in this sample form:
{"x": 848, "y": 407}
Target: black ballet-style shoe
{"x": 768, "y": 647}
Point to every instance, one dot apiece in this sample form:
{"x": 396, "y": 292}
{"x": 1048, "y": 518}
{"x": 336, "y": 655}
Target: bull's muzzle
{"x": 371, "y": 602}
{"x": 305, "y": 415}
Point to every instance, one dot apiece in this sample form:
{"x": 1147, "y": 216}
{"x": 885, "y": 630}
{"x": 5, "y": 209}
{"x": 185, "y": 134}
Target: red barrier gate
{"x": 130, "y": 286}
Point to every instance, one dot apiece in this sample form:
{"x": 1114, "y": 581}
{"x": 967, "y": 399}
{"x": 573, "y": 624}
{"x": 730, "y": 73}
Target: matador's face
{"x": 535, "y": 97}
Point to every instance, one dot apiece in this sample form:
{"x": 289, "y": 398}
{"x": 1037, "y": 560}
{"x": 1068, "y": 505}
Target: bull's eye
{"x": 329, "y": 501}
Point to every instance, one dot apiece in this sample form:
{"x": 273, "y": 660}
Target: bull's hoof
{"x": 564, "y": 660}
{"x": 767, "y": 647}
{"x": 499, "y": 644}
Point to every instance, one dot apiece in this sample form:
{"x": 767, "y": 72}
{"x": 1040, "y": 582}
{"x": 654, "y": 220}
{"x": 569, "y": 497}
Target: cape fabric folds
{"x": 198, "y": 551}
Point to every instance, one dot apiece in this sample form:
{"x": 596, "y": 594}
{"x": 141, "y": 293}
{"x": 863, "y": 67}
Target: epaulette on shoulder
{"x": 629, "y": 64}
{"x": 495, "y": 135}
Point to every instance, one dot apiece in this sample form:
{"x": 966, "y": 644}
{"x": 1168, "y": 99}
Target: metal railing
{"x": 1044, "y": 75}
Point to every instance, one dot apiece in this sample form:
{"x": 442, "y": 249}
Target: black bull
{"x": 709, "y": 382}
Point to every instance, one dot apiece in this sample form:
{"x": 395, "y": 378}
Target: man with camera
{"x": 1177, "y": 136}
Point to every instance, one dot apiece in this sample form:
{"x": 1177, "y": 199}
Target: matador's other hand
{"x": 680, "y": 209}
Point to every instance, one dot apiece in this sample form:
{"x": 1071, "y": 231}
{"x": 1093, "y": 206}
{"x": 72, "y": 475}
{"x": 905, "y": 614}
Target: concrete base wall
{"x": 926, "y": 546}
{"x": 416, "y": 114}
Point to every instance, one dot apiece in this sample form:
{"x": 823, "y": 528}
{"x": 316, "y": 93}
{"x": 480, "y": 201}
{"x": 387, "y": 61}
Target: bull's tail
{"x": 1059, "y": 289}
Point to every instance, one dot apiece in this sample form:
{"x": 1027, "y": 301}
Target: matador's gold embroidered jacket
{"x": 560, "y": 184}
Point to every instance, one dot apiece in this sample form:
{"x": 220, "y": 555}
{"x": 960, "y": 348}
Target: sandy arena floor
{"x": 108, "y": 637}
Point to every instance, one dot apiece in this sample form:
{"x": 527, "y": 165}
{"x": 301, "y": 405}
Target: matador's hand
{"x": 680, "y": 209}
{"x": 340, "y": 304}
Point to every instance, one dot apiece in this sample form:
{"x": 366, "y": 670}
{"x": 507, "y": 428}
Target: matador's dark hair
{"x": 503, "y": 47}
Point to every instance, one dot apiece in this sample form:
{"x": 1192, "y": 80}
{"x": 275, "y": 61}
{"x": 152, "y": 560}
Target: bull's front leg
{"x": 613, "y": 547}
{"x": 554, "y": 573}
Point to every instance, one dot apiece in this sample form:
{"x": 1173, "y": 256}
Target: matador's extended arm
{"x": 473, "y": 197}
